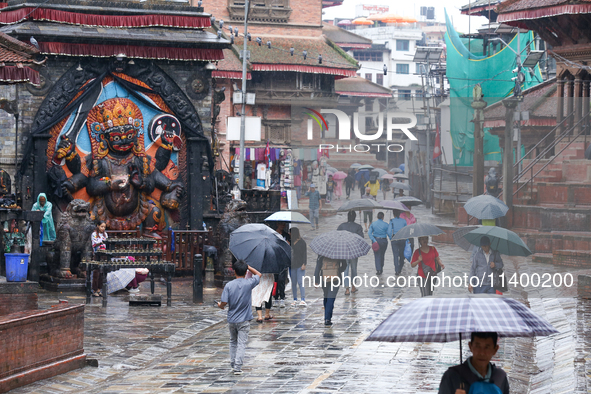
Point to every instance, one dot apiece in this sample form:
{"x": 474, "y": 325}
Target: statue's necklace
{"x": 120, "y": 162}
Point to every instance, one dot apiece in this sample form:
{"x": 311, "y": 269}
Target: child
{"x": 329, "y": 188}
{"x": 98, "y": 238}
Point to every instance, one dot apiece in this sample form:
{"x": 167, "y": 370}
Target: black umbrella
{"x": 360, "y": 204}
{"x": 463, "y": 242}
{"x": 261, "y": 247}
{"x": 409, "y": 201}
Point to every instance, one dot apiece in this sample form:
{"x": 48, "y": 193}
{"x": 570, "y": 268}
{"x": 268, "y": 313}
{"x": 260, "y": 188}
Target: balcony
{"x": 267, "y": 11}
{"x": 296, "y": 97}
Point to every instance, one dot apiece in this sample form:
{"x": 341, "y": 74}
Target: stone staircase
{"x": 552, "y": 214}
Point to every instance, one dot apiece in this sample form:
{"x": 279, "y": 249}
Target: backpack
{"x": 373, "y": 177}
{"x": 478, "y": 386}
{"x": 330, "y": 267}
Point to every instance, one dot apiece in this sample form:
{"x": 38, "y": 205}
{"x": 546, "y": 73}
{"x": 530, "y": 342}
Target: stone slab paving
{"x": 184, "y": 348}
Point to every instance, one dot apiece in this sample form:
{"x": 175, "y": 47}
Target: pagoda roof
{"x": 345, "y": 38}
{"x": 15, "y": 59}
{"x": 360, "y": 87}
{"x": 517, "y": 12}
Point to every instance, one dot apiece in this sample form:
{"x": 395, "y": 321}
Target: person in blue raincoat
{"x": 48, "y": 227}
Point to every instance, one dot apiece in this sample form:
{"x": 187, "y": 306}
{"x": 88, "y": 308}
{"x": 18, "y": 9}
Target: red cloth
{"x": 142, "y": 52}
{"x": 428, "y": 259}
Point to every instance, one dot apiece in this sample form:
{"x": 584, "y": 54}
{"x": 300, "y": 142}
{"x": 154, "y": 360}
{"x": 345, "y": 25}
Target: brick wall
{"x": 305, "y": 13}
{"x": 40, "y": 344}
{"x": 584, "y": 286}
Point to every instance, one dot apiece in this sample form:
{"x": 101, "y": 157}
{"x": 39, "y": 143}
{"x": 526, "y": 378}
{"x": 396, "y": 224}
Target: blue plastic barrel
{"x": 17, "y": 265}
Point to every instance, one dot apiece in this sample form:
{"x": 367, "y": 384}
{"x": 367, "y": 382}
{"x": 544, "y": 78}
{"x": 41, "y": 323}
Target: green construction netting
{"x": 464, "y": 71}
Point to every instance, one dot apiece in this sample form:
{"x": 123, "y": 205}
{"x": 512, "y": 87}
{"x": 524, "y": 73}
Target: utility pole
{"x": 243, "y": 113}
{"x": 478, "y": 161}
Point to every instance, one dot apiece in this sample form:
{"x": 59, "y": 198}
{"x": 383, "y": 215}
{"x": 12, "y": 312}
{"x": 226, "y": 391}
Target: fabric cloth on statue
{"x": 47, "y": 221}
{"x": 297, "y": 180}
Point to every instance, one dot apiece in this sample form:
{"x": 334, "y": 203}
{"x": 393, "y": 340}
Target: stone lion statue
{"x": 73, "y": 243}
{"x": 234, "y": 216}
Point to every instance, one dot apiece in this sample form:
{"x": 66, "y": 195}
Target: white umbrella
{"x": 287, "y": 216}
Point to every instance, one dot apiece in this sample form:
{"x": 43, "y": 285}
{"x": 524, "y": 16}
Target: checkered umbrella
{"x": 340, "y": 245}
{"x": 431, "y": 319}
{"x": 117, "y": 280}
{"x": 485, "y": 207}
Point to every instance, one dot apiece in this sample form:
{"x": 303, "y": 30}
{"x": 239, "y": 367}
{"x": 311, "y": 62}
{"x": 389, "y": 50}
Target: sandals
{"x": 259, "y": 320}
{"x": 97, "y": 294}
{"x": 347, "y": 292}
{"x": 269, "y": 317}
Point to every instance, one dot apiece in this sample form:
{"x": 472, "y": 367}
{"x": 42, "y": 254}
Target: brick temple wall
{"x": 40, "y": 344}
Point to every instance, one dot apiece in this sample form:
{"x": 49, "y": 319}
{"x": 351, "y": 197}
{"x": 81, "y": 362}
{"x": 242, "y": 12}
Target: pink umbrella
{"x": 387, "y": 176}
{"x": 339, "y": 175}
{"x": 345, "y": 22}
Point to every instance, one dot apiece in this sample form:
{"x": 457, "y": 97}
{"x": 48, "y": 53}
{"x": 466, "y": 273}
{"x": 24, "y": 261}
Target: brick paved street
{"x": 184, "y": 348}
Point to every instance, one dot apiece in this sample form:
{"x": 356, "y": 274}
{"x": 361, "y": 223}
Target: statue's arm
{"x": 101, "y": 183}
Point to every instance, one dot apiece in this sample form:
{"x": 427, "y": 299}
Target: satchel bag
{"x": 499, "y": 283}
{"x": 427, "y": 270}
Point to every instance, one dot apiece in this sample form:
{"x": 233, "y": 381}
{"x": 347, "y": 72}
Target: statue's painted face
{"x": 121, "y": 138}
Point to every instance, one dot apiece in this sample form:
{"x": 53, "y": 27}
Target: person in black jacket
{"x": 354, "y": 228}
{"x": 326, "y": 269}
{"x": 299, "y": 259}
{"x": 349, "y": 183}
{"x": 477, "y": 370}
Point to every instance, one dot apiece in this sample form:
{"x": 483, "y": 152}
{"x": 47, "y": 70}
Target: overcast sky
{"x": 412, "y": 9}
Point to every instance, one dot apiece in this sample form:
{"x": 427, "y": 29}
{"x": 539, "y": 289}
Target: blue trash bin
{"x": 17, "y": 265}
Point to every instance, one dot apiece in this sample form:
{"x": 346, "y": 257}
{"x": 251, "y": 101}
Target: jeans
{"x": 330, "y": 294}
{"x": 238, "y": 339}
{"x": 484, "y": 289}
{"x": 352, "y": 263}
{"x": 398, "y": 251}
{"x": 314, "y": 215}
{"x": 379, "y": 255}
{"x": 280, "y": 279}
{"x": 328, "y": 196}
{"x": 348, "y": 190}
{"x": 297, "y": 279}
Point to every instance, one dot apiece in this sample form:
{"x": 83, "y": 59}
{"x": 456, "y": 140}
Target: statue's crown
{"x": 113, "y": 113}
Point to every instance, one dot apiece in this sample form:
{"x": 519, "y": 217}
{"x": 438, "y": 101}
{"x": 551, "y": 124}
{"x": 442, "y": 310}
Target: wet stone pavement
{"x": 184, "y": 348}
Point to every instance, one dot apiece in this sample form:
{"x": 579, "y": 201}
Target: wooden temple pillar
{"x": 578, "y": 103}
{"x": 560, "y": 104}
{"x": 569, "y": 103}
{"x": 586, "y": 103}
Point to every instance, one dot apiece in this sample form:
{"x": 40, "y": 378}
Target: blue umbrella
{"x": 340, "y": 245}
{"x": 261, "y": 247}
{"x": 485, "y": 207}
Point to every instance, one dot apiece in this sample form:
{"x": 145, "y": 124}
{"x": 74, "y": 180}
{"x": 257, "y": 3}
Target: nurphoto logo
{"x": 344, "y": 129}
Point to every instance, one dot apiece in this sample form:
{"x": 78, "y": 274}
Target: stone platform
{"x": 61, "y": 285}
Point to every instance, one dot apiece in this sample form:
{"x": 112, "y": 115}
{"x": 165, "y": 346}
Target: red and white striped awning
{"x": 512, "y": 18}
{"x": 15, "y": 74}
{"x": 229, "y": 74}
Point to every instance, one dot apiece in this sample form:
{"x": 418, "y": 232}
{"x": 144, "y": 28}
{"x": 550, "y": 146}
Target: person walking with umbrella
{"x": 397, "y": 223}
{"x": 378, "y": 231}
{"x": 237, "y": 295}
{"x": 281, "y": 278}
{"x": 349, "y": 183}
{"x": 315, "y": 204}
{"x": 354, "y": 228}
{"x": 427, "y": 258}
{"x": 326, "y": 270}
{"x": 483, "y": 263}
{"x": 333, "y": 249}
{"x": 477, "y": 374}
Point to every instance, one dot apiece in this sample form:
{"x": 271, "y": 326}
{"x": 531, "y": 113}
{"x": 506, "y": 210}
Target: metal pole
{"x": 243, "y": 114}
{"x": 429, "y": 154}
{"x": 197, "y": 279}
{"x": 518, "y": 152}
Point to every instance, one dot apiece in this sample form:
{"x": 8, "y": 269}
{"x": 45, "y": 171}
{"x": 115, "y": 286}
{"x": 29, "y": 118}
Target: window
{"x": 404, "y": 94}
{"x": 419, "y": 94}
{"x": 402, "y": 45}
{"x": 402, "y": 69}
{"x": 368, "y": 56}
{"x": 275, "y": 11}
{"x": 369, "y": 77}
{"x": 420, "y": 68}
{"x": 380, "y": 79}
